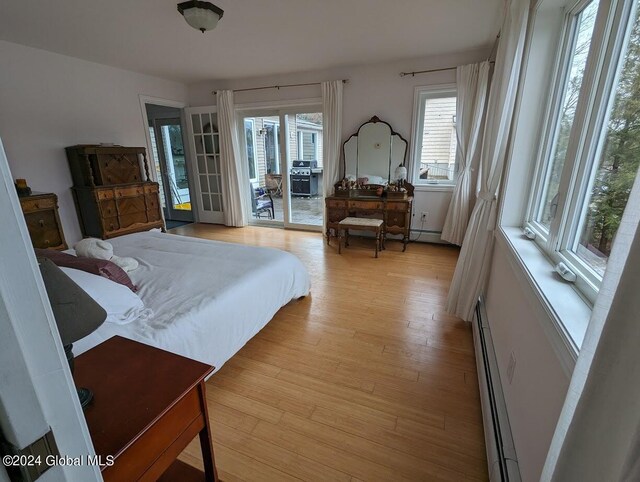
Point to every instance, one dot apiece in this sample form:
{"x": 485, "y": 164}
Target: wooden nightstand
{"x": 148, "y": 405}
{"x": 43, "y": 222}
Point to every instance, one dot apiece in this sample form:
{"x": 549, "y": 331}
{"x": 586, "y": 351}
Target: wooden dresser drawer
{"x": 127, "y": 220}
{"x": 103, "y": 194}
{"x": 337, "y": 203}
{"x": 398, "y": 205}
{"x": 366, "y": 205}
{"x": 153, "y": 215}
{"x": 129, "y": 191}
{"x": 131, "y": 205}
{"x": 111, "y": 224}
{"x": 108, "y": 208}
{"x": 44, "y": 229}
{"x": 153, "y": 207}
{"x": 30, "y": 205}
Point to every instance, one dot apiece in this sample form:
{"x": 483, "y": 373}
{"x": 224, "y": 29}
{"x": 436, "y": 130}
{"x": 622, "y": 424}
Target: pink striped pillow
{"x": 101, "y": 267}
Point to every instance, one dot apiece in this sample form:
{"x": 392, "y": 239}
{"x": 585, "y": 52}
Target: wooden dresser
{"x": 113, "y": 196}
{"x": 395, "y": 213}
{"x": 43, "y": 222}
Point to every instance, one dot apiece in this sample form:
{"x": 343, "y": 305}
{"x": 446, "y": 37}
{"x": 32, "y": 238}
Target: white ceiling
{"x": 254, "y": 38}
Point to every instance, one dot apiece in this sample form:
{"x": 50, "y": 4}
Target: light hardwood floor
{"x": 365, "y": 379}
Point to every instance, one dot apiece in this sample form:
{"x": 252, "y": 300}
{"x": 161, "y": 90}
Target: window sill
{"x": 568, "y": 312}
{"x": 433, "y": 187}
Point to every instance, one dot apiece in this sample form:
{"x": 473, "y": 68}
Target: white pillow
{"x": 121, "y": 304}
{"x": 375, "y": 180}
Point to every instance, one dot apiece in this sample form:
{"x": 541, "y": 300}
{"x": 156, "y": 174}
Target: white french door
{"x": 204, "y": 146}
{"x": 273, "y": 141}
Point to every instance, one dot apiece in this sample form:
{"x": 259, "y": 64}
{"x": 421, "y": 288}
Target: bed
{"x": 206, "y": 298}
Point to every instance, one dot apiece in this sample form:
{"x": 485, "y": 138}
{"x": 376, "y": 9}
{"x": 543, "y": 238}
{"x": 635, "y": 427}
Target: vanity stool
{"x": 361, "y": 224}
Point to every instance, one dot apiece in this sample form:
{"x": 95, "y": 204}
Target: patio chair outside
{"x": 273, "y": 183}
{"x": 261, "y": 202}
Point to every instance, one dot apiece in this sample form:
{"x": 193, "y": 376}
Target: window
{"x": 272, "y": 154}
{"x": 251, "y": 149}
{"x": 434, "y": 134}
{"x": 591, "y": 153}
{"x": 579, "y": 41}
{"x": 307, "y": 145}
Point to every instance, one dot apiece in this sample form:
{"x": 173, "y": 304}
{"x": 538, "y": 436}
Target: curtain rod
{"x": 344, "y": 81}
{"x": 404, "y": 74}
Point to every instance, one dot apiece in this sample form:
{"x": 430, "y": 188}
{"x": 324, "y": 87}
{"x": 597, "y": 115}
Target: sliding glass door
{"x": 304, "y": 132}
{"x": 283, "y": 151}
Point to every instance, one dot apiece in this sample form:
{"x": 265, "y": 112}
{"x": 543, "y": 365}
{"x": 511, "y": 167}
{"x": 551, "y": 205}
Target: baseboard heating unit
{"x": 501, "y": 454}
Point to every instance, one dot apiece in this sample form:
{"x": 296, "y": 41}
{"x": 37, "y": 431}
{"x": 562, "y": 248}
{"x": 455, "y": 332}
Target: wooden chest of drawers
{"x": 112, "y": 190}
{"x": 43, "y": 222}
{"x": 110, "y": 211}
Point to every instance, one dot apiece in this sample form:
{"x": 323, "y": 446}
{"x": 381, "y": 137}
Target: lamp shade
{"x": 76, "y": 313}
{"x": 401, "y": 173}
{"x": 200, "y": 15}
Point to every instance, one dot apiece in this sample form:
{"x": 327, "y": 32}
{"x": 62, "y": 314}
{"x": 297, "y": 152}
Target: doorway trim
{"x": 147, "y": 99}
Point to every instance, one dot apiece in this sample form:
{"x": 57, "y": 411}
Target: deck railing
{"x": 438, "y": 170}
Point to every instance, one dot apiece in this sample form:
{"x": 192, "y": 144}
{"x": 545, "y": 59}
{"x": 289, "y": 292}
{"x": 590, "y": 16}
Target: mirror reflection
{"x": 373, "y": 153}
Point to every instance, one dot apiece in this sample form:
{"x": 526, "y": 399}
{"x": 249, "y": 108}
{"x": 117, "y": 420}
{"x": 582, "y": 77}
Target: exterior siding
{"x": 439, "y": 137}
{"x": 259, "y": 124}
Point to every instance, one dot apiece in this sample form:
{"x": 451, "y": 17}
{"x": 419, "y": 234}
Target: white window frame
{"x": 301, "y": 143}
{"x": 276, "y": 130}
{"x": 253, "y": 180}
{"x": 421, "y": 94}
{"x": 611, "y": 32}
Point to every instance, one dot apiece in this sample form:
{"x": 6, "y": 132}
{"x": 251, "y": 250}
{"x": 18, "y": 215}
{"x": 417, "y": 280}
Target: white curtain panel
{"x": 471, "y": 81}
{"x": 234, "y": 174}
{"x": 331, "y": 136}
{"x": 598, "y": 433}
{"x": 473, "y": 264}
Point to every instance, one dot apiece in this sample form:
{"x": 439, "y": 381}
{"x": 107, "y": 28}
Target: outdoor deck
{"x": 304, "y": 210}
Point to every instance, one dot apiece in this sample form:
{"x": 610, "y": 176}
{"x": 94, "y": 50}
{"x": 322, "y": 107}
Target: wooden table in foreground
{"x": 148, "y": 405}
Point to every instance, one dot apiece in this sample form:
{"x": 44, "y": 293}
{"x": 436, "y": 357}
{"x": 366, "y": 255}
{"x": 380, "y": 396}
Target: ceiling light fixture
{"x": 202, "y": 16}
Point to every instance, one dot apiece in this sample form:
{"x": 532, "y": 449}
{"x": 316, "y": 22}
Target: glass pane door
{"x": 203, "y": 134}
{"x": 262, "y": 154}
{"x": 175, "y": 180}
{"x": 283, "y": 152}
{"x": 304, "y": 165}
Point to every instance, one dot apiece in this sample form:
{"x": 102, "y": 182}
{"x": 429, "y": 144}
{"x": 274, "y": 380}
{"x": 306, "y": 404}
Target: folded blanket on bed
{"x": 100, "y": 249}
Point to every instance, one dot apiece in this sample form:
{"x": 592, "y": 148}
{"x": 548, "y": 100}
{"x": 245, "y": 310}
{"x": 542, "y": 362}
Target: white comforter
{"x": 208, "y": 297}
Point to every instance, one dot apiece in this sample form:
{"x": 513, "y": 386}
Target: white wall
{"x": 375, "y": 89}
{"x": 536, "y": 393}
{"x": 50, "y": 101}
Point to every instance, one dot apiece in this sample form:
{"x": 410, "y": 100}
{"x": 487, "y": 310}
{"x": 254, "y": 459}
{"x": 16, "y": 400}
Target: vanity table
{"x": 395, "y": 213}
{"x": 372, "y": 153}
